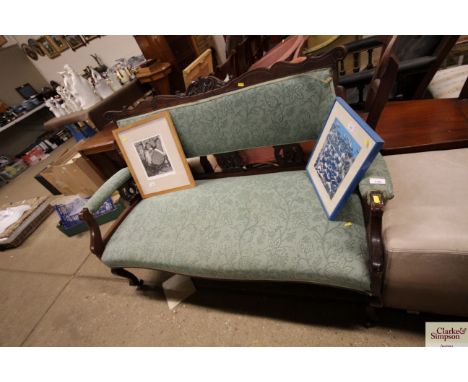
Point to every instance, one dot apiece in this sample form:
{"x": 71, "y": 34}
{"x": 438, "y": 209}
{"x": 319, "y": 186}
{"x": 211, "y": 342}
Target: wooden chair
{"x": 381, "y": 85}
{"x": 240, "y": 58}
{"x": 202, "y": 66}
{"x": 419, "y": 58}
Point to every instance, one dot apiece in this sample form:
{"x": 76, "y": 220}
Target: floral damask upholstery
{"x": 262, "y": 227}
{"x": 282, "y": 111}
{"x": 259, "y": 227}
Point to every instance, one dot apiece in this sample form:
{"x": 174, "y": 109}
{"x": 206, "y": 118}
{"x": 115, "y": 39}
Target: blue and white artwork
{"x": 336, "y": 157}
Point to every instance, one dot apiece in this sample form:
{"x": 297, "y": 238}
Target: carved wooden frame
{"x": 256, "y": 76}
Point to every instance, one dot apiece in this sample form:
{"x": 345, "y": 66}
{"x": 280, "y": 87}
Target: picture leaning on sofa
{"x": 344, "y": 151}
{"x": 154, "y": 155}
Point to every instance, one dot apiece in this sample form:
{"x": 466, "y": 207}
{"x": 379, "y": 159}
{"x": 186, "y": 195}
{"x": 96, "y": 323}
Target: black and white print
{"x": 336, "y": 157}
{"x": 153, "y": 156}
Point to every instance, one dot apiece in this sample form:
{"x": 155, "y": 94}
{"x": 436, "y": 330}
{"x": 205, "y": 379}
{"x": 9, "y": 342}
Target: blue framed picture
{"x": 344, "y": 151}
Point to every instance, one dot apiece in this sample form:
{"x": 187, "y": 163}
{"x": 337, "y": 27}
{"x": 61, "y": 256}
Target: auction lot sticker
{"x": 447, "y": 334}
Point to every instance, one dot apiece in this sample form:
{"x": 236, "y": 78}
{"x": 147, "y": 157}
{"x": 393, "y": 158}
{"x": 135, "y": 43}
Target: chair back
{"x": 381, "y": 84}
{"x": 202, "y": 66}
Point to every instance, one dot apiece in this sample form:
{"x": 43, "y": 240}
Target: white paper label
{"x": 376, "y": 180}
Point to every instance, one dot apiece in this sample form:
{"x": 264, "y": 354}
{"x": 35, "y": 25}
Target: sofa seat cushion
{"x": 425, "y": 232}
{"x": 260, "y": 227}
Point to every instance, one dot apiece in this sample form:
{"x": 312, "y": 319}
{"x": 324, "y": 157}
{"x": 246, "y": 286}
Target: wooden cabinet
{"x": 179, "y": 51}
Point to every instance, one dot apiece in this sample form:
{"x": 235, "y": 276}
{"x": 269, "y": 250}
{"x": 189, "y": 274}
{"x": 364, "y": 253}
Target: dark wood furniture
{"x": 101, "y": 149}
{"x": 419, "y": 58}
{"x": 279, "y": 70}
{"x": 373, "y": 211}
{"x": 179, "y": 51}
{"x": 157, "y": 75}
{"x": 381, "y": 85}
{"x": 424, "y": 125}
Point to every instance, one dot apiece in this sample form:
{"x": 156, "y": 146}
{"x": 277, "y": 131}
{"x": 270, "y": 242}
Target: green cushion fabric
{"x": 262, "y": 227}
{"x": 282, "y": 111}
{"x": 108, "y": 188}
{"x": 377, "y": 169}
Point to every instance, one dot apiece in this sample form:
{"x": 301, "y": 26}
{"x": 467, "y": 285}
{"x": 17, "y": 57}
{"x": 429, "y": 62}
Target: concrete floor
{"x": 53, "y": 292}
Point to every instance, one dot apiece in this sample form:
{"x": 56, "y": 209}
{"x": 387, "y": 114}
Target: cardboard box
{"x": 72, "y": 174}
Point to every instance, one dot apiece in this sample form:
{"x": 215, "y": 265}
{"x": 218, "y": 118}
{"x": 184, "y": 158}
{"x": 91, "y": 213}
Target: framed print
{"x": 74, "y": 41}
{"x": 48, "y": 48}
{"x": 344, "y": 151}
{"x": 154, "y": 155}
{"x": 36, "y": 47}
{"x": 59, "y": 42}
{"x": 89, "y": 38}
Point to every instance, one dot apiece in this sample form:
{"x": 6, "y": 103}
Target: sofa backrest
{"x": 282, "y": 111}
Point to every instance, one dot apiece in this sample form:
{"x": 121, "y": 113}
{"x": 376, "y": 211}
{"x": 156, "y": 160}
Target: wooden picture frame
{"x": 344, "y": 151}
{"x": 48, "y": 48}
{"x": 89, "y": 38}
{"x": 154, "y": 155}
{"x": 58, "y": 42}
{"x": 74, "y": 41}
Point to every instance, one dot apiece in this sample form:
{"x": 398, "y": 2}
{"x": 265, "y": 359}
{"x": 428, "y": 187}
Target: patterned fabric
{"x": 107, "y": 189}
{"x": 377, "y": 169}
{"x": 262, "y": 227}
{"x": 282, "y": 111}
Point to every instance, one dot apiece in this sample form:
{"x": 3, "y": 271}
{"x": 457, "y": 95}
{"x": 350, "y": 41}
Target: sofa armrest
{"x": 376, "y": 179}
{"x": 374, "y": 212}
{"x": 107, "y": 189}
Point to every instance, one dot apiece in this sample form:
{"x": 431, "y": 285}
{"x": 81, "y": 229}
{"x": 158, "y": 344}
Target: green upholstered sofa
{"x": 262, "y": 227}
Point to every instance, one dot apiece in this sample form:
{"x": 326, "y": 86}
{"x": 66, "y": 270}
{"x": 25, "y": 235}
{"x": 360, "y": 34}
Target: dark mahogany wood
{"x": 381, "y": 84}
{"x": 375, "y": 209}
{"x": 96, "y": 243}
{"x": 464, "y": 91}
{"x": 132, "y": 279}
{"x": 203, "y": 85}
{"x": 423, "y": 125}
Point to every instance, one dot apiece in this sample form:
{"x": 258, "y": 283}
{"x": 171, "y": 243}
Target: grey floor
{"x": 53, "y": 292}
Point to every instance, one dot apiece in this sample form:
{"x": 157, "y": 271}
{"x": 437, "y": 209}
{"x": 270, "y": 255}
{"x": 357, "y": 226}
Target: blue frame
{"x": 365, "y": 165}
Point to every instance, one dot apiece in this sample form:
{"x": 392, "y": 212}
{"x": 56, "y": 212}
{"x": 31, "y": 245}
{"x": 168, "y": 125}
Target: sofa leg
{"x": 371, "y": 316}
{"x": 132, "y": 279}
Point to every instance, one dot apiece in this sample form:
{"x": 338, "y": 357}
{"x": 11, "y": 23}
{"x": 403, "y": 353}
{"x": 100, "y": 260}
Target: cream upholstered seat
{"x": 425, "y": 232}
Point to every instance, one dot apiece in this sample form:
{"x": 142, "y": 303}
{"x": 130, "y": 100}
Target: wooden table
{"x": 424, "y": 125}
{"x": 101, "y": 149}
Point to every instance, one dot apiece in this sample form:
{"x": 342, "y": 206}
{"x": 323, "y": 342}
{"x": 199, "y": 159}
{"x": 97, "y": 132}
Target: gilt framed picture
{"x": 74, "y": 41}
{"x": 344, "y": 151}
{"x": 48, "y": 48}
{"x": 59, "y": 42}
{"x": 154, "y": 155}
